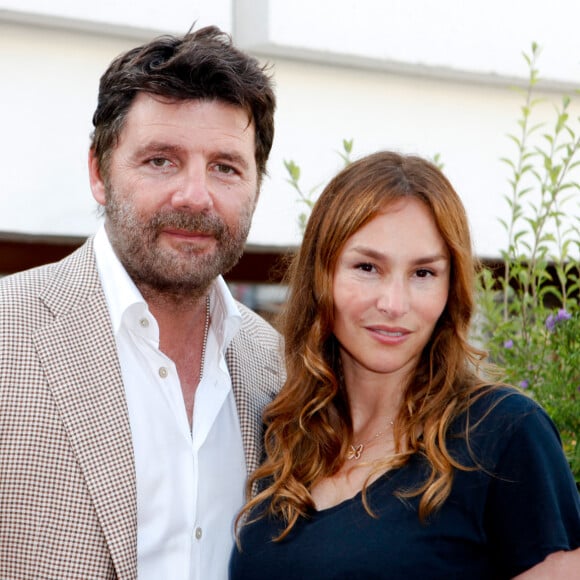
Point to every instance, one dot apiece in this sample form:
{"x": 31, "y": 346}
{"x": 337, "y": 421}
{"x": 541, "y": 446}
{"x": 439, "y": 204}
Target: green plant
{"x": 308, "y": 197}
{"x": 528, "y": 314}
{"x": 529, "y": 317}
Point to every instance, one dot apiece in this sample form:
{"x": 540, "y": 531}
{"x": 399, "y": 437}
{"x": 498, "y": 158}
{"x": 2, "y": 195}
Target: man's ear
{"x": 95, "y": 178}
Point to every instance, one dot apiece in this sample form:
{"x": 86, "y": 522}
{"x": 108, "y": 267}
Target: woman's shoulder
{"x": 498, "y": 403}
{"x": 502, "y": 417}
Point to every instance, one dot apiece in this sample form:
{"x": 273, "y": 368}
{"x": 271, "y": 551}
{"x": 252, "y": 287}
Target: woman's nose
{"x": 393, "y": 298}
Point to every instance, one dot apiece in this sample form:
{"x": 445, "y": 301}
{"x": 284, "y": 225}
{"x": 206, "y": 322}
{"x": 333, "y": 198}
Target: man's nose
{"x": 192, "y": 191}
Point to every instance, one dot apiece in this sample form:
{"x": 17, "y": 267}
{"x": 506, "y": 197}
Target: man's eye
{"x": 159, "y": 162}
{"x": 225, "y": 169}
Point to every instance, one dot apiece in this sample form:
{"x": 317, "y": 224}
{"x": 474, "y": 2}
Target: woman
{"x": 388, "y": 454}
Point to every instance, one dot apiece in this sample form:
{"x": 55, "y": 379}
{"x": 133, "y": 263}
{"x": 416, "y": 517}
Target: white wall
{"x": 388, "y": 74}
{"x": 133, "y": 18}
{"x": 449, "y": 38}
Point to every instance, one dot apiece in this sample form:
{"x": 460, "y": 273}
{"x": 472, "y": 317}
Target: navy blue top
{"x": 496, "y": 523}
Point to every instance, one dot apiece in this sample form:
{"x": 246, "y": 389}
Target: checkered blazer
{"x": 67, "y": 477}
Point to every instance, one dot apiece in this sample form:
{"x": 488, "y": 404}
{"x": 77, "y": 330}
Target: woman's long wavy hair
{"x": 308, "y": 426}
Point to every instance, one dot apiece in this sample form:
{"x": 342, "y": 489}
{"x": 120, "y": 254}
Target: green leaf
{"x": 502, "y": 159}
{"x": 293, "y": 170}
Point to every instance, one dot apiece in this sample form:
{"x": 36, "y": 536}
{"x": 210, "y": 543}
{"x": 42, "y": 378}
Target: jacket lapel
{"x": 257, "y": 375}
{"x": 79, "y": 355}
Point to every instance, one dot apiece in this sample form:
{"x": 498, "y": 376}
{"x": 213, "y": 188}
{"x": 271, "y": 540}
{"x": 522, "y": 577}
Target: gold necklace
{"x": 355, "y": 451}
{"x": 205, "y": 333}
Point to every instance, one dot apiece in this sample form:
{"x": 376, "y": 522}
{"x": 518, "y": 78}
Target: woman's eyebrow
{"x": 377, "y": 255}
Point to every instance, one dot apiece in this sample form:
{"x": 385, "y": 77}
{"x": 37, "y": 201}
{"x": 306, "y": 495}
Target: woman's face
{"x": 390, "y": 286}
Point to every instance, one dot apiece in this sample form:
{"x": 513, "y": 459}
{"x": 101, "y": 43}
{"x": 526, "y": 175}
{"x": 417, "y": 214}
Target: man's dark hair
{"x": 200, "y": 65}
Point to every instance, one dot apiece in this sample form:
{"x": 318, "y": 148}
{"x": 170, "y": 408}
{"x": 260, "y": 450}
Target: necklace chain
{"x": 356, "y": 450}
{"x": 205, "y": 333}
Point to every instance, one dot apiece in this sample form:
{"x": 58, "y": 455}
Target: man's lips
{"x": 187, "y": 234}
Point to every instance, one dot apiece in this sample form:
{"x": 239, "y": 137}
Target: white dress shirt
{"x": 190, "y": 483}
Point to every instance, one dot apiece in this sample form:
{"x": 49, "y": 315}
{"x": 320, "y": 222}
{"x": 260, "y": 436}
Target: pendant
{"x": 355, "y": 452}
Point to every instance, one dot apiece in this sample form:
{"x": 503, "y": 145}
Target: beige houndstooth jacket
{"x": 67, "y": 478}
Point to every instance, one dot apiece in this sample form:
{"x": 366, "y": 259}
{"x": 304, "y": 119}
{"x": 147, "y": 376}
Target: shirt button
{"x": 144, "y": 323}
{"x": 163, "y": 372}
{"x": 198, "y": 533}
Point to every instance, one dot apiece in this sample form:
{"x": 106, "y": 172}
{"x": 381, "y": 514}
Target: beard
{"x": 184, "y": 271}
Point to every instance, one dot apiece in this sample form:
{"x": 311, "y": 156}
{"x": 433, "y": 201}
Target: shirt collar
{"x": 121, "y": 293}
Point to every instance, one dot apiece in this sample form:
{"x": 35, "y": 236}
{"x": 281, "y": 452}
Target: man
{"x": 131, "y": 382}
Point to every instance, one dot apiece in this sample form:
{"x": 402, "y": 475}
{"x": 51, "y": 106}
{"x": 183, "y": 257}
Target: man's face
{"x": 180, "y": 192}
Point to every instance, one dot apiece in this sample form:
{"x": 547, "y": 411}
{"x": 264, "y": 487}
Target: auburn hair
{"x": 308, "y": 426}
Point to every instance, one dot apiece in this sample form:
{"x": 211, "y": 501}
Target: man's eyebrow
{"x": 158, "y": 147}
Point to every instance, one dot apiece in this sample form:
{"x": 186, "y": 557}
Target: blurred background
{"x": 438, "y": 79}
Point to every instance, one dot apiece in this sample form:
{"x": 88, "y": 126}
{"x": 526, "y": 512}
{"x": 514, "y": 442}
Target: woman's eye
{"x": 365, "y": 267}
{"x": 423, "y": 273}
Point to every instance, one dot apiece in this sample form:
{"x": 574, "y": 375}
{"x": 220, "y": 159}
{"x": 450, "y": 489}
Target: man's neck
{"x": 183, "y": 332}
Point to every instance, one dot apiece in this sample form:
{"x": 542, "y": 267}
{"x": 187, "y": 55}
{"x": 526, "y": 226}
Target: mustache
{"x": 199, "y": 222}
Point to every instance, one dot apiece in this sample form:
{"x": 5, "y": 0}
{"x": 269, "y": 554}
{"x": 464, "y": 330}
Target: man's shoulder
{"x": 257, "y": 344}
{"x": 256, "y": 326}
{"x": 255, "y": 357}
{"x": 70, "y": 276}
{"x": 21, "y": 287}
